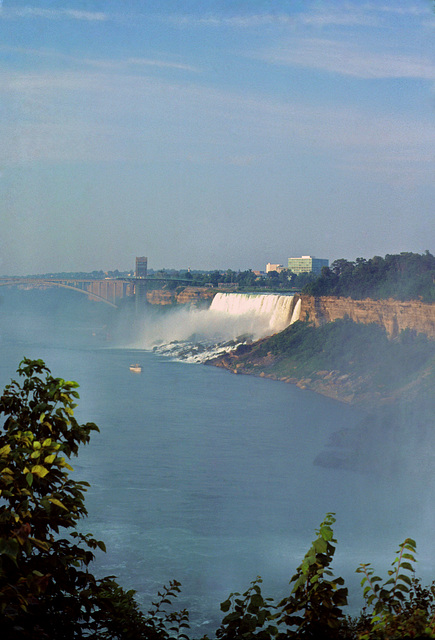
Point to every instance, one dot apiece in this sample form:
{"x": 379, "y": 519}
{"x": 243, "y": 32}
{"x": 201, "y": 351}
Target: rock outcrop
{"x": 188, "y": 295}
{"x": 394, "y": 315}
{"x": 161, "y": 296}
{"x": 195, "y": 295}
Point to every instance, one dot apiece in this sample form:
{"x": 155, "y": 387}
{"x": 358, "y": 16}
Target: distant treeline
{"x": 245, "y": 280}
{"x": 405, "y": 276}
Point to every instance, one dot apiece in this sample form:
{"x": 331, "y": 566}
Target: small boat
{"x": 136, "y": 368}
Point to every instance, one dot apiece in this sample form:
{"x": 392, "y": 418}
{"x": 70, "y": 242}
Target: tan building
{"x": 274, "y": 267}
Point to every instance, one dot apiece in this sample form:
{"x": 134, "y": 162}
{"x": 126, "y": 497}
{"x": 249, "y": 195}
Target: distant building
{"x": 306, "y": 264}
{"x": 274, "y": 267}
{"x": 141, "y": 267}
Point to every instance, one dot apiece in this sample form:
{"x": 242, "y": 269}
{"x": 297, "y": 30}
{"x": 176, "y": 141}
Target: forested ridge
{"x": 404, "y": 276}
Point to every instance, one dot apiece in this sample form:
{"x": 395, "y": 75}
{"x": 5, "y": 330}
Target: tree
{"x": 214, "y": 277}
{"x": 46, "y": 588}
{"x": 341, "y": 266}
{"x": 273, "y": 277}
{"x": 404, "y": 276}
{"x": 285, "y": 277}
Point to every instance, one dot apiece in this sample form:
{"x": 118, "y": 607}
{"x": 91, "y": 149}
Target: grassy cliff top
{"x": 351, "y": 362}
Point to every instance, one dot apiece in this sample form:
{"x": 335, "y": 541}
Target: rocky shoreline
{"x": 348, "y": 388}
{"x": 332, "y": 384}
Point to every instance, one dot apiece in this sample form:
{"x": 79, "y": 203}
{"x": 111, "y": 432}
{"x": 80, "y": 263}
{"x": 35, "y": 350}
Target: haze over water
{"x": 211, "y": 478}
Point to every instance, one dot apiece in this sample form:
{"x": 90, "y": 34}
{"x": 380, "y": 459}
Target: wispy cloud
{"x": 316, "y": 15}
{"x": 56, "y": 116}
{"x": 52, "y": 14}
{"x": 102, "y": 63}
{"x": 148, "y": 62}
{"x": 405, "y": 10}
{"x": 255, "y": 21}
{"x": 347, "y": 16}
{"x": 349, "y": 59}
{"x": 344, "y": 14}
{"x": 237, "y": 21}
{"x": 131, "y": 63}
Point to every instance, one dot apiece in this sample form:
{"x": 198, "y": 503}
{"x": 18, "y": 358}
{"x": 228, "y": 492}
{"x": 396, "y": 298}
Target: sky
{"x": 214, "y": 134}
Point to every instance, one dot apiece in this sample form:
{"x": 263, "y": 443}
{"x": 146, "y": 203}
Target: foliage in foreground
{"x": 47, "y": 590}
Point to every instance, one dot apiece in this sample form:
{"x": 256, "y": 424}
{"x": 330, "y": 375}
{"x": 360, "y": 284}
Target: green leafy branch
{"x": 249, "y": 616}
{"x": 169, "y": 624}
{"x": 388, "y": 598}
{"x": 401, "y": 608}
{"x": 314, "y": 607}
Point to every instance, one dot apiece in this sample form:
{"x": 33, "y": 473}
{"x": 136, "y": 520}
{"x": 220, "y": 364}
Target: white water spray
{"x": 271, "y": 313}
{"x": 232, "y": 318}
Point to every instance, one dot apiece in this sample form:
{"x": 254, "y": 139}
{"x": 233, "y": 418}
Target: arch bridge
{"x": 108, "y": 290}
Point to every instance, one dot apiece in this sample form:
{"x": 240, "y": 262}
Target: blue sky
{"x": 214, "y": 134}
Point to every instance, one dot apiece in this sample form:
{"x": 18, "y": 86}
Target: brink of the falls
{"x": 279, "y": 311}
{"x": 195, "y": 335}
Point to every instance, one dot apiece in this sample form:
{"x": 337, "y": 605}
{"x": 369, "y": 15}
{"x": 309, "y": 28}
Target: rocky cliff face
{"x": 394, "y": 315}
{"x": 189, "y": 295}
{"x": 195, "y": 295}
{"x": 161, "y": 296}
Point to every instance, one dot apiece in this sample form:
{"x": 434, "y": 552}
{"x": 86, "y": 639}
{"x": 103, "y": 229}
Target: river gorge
{"x": 211, "y": 478}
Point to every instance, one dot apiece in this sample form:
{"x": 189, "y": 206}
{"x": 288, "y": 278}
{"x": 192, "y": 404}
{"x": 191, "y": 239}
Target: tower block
{"x": 140, "y": 285}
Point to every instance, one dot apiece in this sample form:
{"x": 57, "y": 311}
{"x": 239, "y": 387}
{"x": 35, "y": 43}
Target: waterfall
{"x": 195, "y": 335}
{"x": 279, "y": 311}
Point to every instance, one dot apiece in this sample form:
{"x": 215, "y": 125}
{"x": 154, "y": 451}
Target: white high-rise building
{"x": 307, "y": 264}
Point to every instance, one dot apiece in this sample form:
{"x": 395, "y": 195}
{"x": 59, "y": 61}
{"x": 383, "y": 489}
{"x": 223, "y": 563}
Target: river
{"x": 212, "y": 478}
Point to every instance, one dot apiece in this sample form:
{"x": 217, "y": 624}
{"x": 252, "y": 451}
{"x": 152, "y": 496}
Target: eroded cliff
{"x": 188, "y": 295}
{"x": 394, "y": 315}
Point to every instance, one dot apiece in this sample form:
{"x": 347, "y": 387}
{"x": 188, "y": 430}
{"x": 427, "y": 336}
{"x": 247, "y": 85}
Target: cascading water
{"x": 195, "y": 335}
{"x": 277, "y": 311}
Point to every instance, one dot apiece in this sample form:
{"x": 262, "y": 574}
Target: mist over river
{"x": 212, "y": 478}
